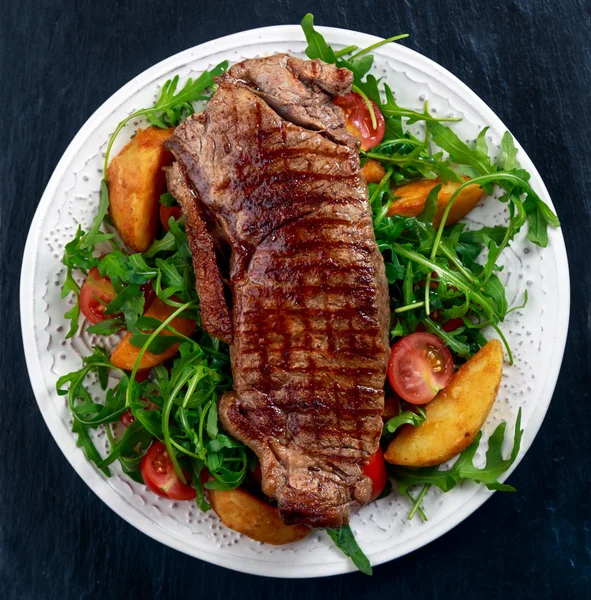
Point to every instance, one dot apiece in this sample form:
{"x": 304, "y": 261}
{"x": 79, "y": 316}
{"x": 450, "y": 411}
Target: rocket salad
{"x": 443, "y": 280}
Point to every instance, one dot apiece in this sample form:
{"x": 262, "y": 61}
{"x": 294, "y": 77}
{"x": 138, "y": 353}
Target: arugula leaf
{"x": 165, "y": 244}
{"x": 88, "y": 446}
{"x": 121, "y": 267}
{"x": 158, "y": 345}
{"x": 459, "y": 152}
{"x": 496, "y": 465}
{"x": 222, "y": 441}
{"x": 172, "y": 106}
{"x": 405, "y": 417}
{"x": 107, "y": 327}
{"x": 75, "y": 257}
{"x": 478, "y": 236}
{"x": 508, "y": 158}
{"x": 539, "y": 216}
{"x": 150, "y": 418}
{"x": 130, "y": 301}
{"x": 464, "y": 469}
{"x": 83, "y": 407}
{"x": 345, "y": 541}
{"x": 131, "y": 466}
{"x": 371, "y": 88}
{"x": 428, "y": 212}
{"x": 481, "y": 148}
{"x": 134, "y": 435}
{"x": 170, "y": 274}
{"x": 73, "y": 314}
{"x": 495, "y": 289}
{"x": 168, "y": 200}
{"x": 212, "y": 421}
{"x": 317, "y": 46}
{"x": 358, "y": 67}
{"x": 94, "y": 235}
{"x": 451, "y": 338}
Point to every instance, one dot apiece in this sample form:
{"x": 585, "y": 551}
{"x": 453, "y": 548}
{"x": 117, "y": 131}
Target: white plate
{"x": 537, "y": 334}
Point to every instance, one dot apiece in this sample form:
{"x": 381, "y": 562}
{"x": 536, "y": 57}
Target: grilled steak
{"x": 270, "y": 171}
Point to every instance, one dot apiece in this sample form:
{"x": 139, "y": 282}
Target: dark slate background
{"x": 530, "y": 60}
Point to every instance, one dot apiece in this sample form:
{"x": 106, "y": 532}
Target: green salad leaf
{"x": 404, "y": 417}
{"x": 172, "y": 105}
{"x": 345, "y": 541}
{"x": 463, "y": 469}
{"x": 107, "y": 327}
{"x": 317, "y": 46}
{"x": 539, "y": 215}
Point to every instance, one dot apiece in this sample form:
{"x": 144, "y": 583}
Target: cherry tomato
{"x": 95, "y": 294}
{"x": 375, "y": 469}
{"x": 358, "y": 119}
{"x": 420, "y": 365}
{"x": 169, "y": 211}
{"x": 127, "y": 418}
{"x": 453, "y": 324}
{"x": 160, "y": 477}
{"x": 142, "y": 375}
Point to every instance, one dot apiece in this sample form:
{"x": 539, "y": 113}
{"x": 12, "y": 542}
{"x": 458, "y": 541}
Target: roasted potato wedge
{"x": 125, "y": 354}
{"x": 373, "y": 171}
{"x": 241, "y": 511}
{"x": 136, "y": 181}
{"x": 454, "y": 416}
{"x": 412, "y": 197}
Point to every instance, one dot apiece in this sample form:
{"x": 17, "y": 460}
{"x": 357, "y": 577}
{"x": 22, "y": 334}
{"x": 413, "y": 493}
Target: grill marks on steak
{"x": 310, "y": 303}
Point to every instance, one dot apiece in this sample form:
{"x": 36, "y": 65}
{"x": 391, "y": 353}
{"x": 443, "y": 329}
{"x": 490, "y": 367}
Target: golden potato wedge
{"x": 136, "y": 181}
{"x": 454, "y": 416}
{"x": 412, "y": 198}
{"x": 125, "y": 354}
{"x": 241, "y": 511}
{"x": 373, "y": 171}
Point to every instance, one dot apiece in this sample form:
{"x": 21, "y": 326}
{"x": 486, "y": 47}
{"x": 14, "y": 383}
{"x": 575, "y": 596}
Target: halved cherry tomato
{"x": 375, "y": 469}
{"x": 169, "y": 211}
{"x": 358, "y": 119}
{"x": 97, "y": 292}
{"x": 420, "y": 365}
{"x": 160, "y": 477}
{"x": 95, "y": 295}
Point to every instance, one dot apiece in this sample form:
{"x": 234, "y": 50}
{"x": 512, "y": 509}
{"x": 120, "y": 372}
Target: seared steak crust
{"x": 310, "y": 302}
{"x": 215, "y": 314}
